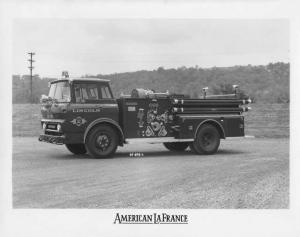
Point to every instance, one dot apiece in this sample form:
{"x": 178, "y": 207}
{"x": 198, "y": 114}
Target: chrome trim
{"x": 92, "y": 106}
{"x": 108, "y": 105}
{"x": 176, "y": 109}
{"x": 87, "y": 78}
{"x": 243, "y": 137}
{"x": 80, "y": 79}
{"x": 59, "y": 140}
{"x": 210, "y": 116}
{"x": 154, "y": 140}
{"x": 52, "y": 130}
{"x": 225, "y": 95}
{"x": 246, "y": 109}
{"x": 53, "y": 120}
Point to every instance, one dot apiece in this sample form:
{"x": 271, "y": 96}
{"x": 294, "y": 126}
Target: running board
{"x": 154, "y": 140}
{"x": 241, "y": 137}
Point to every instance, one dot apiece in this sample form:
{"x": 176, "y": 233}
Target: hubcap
{"x": 102, "y": 142}
{"x": 207, "y": 140}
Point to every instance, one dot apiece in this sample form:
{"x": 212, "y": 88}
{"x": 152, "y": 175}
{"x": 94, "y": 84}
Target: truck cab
{"x": 83, "y": 114}
{"x": 72, "y": 107}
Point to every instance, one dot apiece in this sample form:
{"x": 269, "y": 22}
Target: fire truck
{"x": 83, "y": 114}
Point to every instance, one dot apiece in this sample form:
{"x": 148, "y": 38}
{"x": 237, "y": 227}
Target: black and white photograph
{"x": 150, "y": 120}
{"x": 165, "y": 113}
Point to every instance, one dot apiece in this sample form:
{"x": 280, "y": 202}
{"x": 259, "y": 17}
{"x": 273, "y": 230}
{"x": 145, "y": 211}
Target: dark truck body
{"x": 178, "y": 125}
{"x": 174, "y": 120}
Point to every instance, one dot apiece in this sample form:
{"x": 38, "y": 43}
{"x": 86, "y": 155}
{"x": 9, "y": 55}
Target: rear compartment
{"x": 178, "y": 117}
{"x": 146, "y": 117}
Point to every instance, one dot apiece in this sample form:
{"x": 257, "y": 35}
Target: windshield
{"x": 60, "y": 91}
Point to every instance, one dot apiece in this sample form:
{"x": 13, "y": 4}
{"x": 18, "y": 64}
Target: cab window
{"x": 105, "y": 92}
{"x": 91, "y": 92}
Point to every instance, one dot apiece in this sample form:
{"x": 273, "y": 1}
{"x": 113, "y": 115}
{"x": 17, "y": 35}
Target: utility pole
{"x": 30, "y": 68}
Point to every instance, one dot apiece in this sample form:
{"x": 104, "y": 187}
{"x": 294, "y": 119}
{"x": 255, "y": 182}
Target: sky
{"x": 97, "y": 46}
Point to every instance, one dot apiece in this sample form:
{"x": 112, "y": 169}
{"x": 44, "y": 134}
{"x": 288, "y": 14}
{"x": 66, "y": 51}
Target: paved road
{"x": 246, "y": 173}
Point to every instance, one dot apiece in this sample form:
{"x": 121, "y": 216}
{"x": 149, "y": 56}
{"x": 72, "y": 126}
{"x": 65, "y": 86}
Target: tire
{"x": 207, "y": 140}
{"x": 176, "y": 146}
{"x": 102, "y": 141}
{"x": 77, "y": 149}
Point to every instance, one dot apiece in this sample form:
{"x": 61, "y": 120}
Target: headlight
{"x": 44, "y": 126}
{"x": 58, "y": 127}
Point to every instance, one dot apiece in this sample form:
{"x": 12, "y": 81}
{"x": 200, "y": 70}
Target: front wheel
{"x": 207, "y": 140}
{"x": 176, "y": 146}
{"x": 102, "y": 141}
{"x": 77, "y": 149}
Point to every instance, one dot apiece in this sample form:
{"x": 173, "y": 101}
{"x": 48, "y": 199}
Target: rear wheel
{"x": 77, "y": 149}
{"x": 176, "y": 146}
{"x": 207, "y": 140}
{"x": 102, "y": 141}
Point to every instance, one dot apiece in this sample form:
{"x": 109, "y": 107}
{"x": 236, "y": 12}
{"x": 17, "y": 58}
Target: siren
{"x": 65, "y": 74}
{"x": 204, "y": 89}
{"x": 235, "y": 87}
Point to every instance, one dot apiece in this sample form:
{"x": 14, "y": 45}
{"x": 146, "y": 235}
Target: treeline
{"x": 21, "y": 88}
{"x": 264, "y": 83}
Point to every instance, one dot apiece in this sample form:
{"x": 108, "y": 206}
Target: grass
{"x": 264, "y": 120}
{"x": 268, "y": 120}
{"x": 26, "y": 120}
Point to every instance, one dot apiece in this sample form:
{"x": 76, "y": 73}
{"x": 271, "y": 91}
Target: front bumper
{"x": 59, "y": 140}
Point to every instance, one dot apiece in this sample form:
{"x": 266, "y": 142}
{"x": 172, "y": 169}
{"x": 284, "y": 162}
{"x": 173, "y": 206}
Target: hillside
{"x": 263, "y": 83}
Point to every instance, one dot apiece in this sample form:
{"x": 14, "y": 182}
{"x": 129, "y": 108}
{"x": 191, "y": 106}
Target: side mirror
{"x": 44, "y": 99}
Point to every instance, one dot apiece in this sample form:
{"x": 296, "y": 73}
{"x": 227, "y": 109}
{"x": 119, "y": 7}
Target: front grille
{"x": 51, "y": 126}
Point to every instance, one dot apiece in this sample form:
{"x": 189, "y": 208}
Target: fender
{"x": 214, "y": 122}
{"x": 105, "y": 120}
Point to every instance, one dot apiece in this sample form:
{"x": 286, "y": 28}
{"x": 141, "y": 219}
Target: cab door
{"x": 90, "y": 101}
